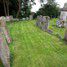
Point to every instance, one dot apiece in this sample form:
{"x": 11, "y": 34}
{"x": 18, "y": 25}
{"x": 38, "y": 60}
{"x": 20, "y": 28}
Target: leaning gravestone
{"x": 4, "y": 49}
{"x": 43, "y": 23}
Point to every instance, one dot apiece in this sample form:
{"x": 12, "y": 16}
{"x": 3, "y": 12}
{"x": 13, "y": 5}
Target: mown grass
{"x": 32, "y": 47}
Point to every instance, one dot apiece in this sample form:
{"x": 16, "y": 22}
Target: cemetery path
{"x": 32, "y": 47}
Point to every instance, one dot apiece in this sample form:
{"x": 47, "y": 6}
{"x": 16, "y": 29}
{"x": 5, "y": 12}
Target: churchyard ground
{"x": 32, "y": 47}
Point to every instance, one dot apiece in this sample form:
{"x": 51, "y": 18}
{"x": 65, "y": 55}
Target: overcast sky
{"x": 37, "y": 6}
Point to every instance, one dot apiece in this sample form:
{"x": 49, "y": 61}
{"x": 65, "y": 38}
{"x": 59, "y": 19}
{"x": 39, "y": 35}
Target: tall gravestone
{"x": 63, "y": 16}
{"x": 65, "y": 19}
{"x": 39, "y": 19}
{"x": 4, "y": 49}
{"x": 65, "y": 36}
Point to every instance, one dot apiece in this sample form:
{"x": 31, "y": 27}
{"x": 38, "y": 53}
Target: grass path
{"x": 32, "y": 47}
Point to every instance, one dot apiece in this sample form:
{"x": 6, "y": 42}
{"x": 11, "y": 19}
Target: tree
{"x": 51, "y": 1}
{"x": 49, "y": 9}
{"x": 5, "y": 5}
{"x": 26, "y": 7}
{"x": 19, "y": 8}
{"x": 16, "y": 7}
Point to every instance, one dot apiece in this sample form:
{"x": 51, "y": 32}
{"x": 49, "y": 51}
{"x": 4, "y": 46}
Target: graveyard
{"x": 32, "y": 47}
{"x": 33, "y": 33}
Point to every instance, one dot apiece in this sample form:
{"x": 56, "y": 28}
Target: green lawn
{"x": 32, "y": 47}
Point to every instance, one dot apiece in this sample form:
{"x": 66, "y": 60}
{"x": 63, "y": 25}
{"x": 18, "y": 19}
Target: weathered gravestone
{"x": 31, "y": 17}
{"x": 63, "y": 15}
{"x": 15, "y": 19}
{"x": 27, "y": 18}
{"x": 60, "y": 23}
{"x": 4, "y": 49}
{"x": 39, "y": 19}
{"x": 24, "y": 18}
{"x": 9, "y": 18}
{"x": 43, "y": 23}
{"x": 65, "y": 36}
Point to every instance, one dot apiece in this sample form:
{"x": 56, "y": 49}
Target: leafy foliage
{"x": 49, "y": 10}
{"x": 14, "y": 5}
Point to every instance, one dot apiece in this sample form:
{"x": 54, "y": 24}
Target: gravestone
{"x": 43, "y": 23}
{"x": 4, "y": 49}
{"x": 15, "y": 19}
{"x": 9, "y": 18}
{"x": 39, "y": 19}
{"x": 24, "y": 18}
{"x": 31, "y": 17}
{"x": 60, "y": 23}
{"x": 65, "y": 36}
{"x": 27, "y": 18}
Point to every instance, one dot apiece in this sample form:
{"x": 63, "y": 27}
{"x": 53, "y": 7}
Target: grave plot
{"x": 36, "y": 48}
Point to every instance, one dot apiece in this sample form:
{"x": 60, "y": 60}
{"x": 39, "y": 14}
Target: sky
{"x": 37, "y": 6}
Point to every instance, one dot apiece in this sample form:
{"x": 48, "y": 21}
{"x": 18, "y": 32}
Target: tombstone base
{"x": 49, "y": 31}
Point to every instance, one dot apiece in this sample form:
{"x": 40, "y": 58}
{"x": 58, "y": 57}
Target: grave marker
{"x": 43, "y": 23}
{"x": 65, "y": 36}
{"x": 4, "y": 49}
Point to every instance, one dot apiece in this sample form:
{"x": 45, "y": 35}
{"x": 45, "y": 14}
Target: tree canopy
{"x": 19, "y": 8}
{"x": 49, "y": 9}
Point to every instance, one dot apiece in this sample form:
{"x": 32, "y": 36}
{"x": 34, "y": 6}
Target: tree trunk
{"x": 7, "y": 5}
{"x": 19, "y": 8}
{"x": 4, "y": 8}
